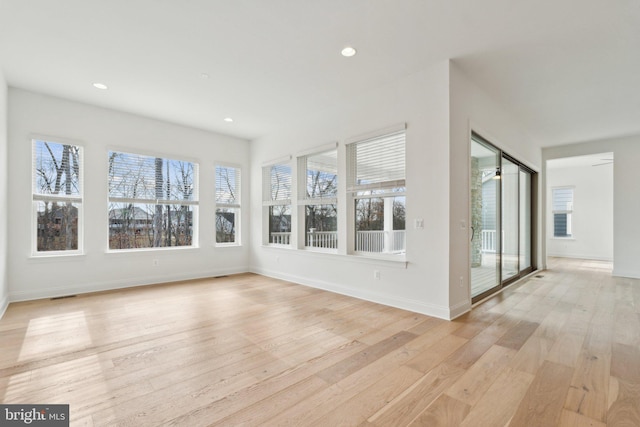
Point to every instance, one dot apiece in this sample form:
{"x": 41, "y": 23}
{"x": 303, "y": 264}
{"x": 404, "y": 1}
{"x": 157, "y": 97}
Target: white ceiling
{"x": 569, "y": 69}
{"x": 599, "y": 159}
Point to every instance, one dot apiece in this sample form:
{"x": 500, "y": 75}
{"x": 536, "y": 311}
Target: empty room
{"x": 305, "y": 213}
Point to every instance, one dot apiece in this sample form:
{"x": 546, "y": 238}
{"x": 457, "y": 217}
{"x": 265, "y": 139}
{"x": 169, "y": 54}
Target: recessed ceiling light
{"x": 348, "y": 51}
{"x": 100, "y": 86}
{"x": 228, "y": 119}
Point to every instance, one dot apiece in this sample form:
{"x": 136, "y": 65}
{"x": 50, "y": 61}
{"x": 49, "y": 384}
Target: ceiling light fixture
{"x": 101, "y": 86}
{"x": 348, "y": 51}
{"x": 228, "y": 119}
{"x": 204, "y": 75}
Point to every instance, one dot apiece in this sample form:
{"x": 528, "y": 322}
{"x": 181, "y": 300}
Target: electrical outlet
{"x": 419, "y": 224}
{"x": 461, "y": 281}
{"x": 376, "y": 274}
{"x": 156, "y": 262}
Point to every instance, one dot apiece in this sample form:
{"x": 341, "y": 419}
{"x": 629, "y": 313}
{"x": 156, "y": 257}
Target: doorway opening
{"x": 579, "y": 207}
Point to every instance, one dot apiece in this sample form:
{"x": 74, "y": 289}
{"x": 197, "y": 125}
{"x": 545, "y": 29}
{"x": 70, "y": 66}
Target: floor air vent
{"x": 539, "y": 276}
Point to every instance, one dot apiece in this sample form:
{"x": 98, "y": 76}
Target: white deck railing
{"x": 370, "y": 241}
{"x": 322, "y": 239}
{"x": 380, "y": 241}
{"x": 282, "y": 238}
{"x": 397, "y": 241}
{"x": 489, "y": 243}
{"x": 376, "y": 241}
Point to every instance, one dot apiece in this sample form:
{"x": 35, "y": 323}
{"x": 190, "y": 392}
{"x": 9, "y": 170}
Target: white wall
{"x": 592, "y": 219}
{"x": 440, "y": 106}
{"x": 4, "y": 178}
{"x": 472, "y": 109}
{"x": 98, "y": 130}
{"x": 626, "y": 203}
{"x": 420, "y": 100}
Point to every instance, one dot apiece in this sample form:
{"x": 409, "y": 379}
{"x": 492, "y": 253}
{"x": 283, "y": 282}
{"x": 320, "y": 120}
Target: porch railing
{"x": 381, "y": 241}
{"x": 322, "y": 239}
{"x": 397, "y": 241}
{"x": 370, "y": 241}
{"x": 489, "y": 243}
{"x": 281, "y": 238}
{"x": 376, "y": 241}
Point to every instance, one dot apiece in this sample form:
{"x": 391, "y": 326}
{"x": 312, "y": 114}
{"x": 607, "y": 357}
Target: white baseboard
{"x": 459, "y": 309}
{"x": 626, "y": 273}
{"x": 4, "y": 303}
{"x": 108, "y": 285}
{"x": 580, "y": 256}
{"x": 402, "y": 303}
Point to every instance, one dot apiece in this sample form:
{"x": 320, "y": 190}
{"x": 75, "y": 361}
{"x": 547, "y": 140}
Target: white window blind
{"x": 562, "y": 199}
{"x": 56, "y": 171}
{"x": 377, "y": 163}
{"x": 227, "y": 215}
{"x": 57, "y": 190}
{"x": 318, "y": 177}
{"x": 152, "y": 201}
{"x": 562, "y": 210}
{"x": 227, "y": 186}
{"x": 277, "y": 181}
{"x": 141, "y": 178}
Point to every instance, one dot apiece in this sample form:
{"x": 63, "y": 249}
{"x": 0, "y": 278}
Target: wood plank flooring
{"x": 559, "y": 349}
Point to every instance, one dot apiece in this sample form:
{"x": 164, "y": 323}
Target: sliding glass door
{"x": 485, "y": 226}
{"x": 501, "y": 226}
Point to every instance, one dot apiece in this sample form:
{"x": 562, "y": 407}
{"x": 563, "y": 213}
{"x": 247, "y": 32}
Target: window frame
{"x": 37, "y": 197}
{"x": 305, "y": 200}
{"x": 237, "y": 206}
{"x": 389, "y": 189}
{"x": 567, "y": 212}
{"x": 268, "y": 202}
{"x": 193, "y": 204}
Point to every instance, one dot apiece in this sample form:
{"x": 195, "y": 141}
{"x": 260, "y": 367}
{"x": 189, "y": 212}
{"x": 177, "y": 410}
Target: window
{"x": 318, "y": 197}
{"x": 227, "y": 204}
{"x": 57, "y": 197}
{"x": 562, "y": 207}
{"x": 277, "y": 200}
{"x": 376, "y": 168}
{"x": 152, "y": 201}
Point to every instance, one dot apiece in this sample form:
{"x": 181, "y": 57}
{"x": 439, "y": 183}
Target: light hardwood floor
{"x": 561, "y": 349}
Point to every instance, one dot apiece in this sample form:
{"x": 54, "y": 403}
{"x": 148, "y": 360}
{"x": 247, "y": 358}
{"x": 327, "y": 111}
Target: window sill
{"x": 276, "y": 246}
{"x": 377, "y": 258}
{"x": 320, "y": 250}
{"x": 227, "y": 245}
{"x": 151, "y": 250}
{"x": 51, "y": 257}
{"x": 563, "y": 238}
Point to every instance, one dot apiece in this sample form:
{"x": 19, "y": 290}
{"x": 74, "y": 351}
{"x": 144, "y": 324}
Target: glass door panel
{"x": 485, "y": 218}
{"x": 510, "y": 219}
{"x": 525, "y": 220}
